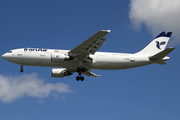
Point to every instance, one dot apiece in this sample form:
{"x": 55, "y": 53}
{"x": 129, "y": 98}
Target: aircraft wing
{"x": 91, "y": 45}
{"x": 89, "y": 73}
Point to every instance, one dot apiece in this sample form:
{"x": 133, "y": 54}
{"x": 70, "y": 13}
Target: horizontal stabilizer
{"x": 161, "y": 54}
{"x": 161, "y": 63}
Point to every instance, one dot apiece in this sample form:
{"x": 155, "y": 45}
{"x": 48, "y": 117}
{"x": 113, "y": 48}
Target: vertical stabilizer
{"x": 157, "y": 45}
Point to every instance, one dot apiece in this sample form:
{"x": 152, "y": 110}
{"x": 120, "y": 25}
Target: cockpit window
{"x": 10, "y": 52}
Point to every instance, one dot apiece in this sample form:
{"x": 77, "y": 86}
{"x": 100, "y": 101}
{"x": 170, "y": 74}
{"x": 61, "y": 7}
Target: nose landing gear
{"x": 21, "y": 70}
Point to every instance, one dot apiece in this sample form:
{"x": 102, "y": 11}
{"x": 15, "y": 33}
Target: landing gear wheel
{"x": 77, "y": 78}
{"x": 82, "y": 78}
{"x": 81, "y": 69}
{"x": 21, "y": 70}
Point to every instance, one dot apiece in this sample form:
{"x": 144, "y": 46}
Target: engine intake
{"x": 61, "y": 72}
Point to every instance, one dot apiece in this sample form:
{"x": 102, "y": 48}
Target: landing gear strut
{"x": 79, "y": 70}
{"x": 21, "y": 70}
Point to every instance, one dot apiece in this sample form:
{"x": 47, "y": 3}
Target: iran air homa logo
{"x": 158, "y": 44}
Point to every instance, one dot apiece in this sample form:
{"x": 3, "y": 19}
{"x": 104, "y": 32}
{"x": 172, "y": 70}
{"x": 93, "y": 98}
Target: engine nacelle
{"x": 59, "y": 57}
{"x": 61, "y": 72}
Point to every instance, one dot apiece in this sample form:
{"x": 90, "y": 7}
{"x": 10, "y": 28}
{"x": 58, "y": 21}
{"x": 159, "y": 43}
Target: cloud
{"x": 14, "y": 87}
{"x": 157, "y": 16}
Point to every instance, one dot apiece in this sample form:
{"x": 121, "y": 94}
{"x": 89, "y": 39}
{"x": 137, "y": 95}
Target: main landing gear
{"x": 80, "y": 70}
{"x": 80, "y": 78}
{"x": 21, "y": 70}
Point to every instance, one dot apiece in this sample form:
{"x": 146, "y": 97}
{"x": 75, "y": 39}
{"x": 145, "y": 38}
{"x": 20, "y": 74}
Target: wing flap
{"x": 89, "y": 73}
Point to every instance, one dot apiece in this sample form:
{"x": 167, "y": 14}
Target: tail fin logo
{"x": 158, "y": 44}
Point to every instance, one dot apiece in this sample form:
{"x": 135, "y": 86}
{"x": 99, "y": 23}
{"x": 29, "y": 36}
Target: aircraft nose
{"x": 5, "y": 56}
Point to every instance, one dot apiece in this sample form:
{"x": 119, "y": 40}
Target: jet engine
{"x": 59, "y": 57}
{"x": 61, "y": 72}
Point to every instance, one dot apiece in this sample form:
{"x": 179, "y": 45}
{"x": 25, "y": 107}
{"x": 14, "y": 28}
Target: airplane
{"x": 85, "y": 57}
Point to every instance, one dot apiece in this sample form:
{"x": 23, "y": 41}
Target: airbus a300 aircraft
{"x": 84, "y": 57}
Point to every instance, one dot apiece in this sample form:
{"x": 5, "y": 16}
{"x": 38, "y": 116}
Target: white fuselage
{"x": 100, "y": 60}
{"x": 85, "y": 57}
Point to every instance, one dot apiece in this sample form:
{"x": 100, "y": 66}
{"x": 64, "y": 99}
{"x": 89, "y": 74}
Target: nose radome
{"x": 4, "y": 56}
{"x": 8, "y": 56}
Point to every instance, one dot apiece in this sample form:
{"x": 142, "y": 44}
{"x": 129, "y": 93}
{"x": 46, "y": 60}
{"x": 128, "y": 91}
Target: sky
{"x": 150, "y": 92}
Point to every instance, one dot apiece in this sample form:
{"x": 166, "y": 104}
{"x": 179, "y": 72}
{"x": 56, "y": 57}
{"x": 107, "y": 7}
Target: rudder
{"x": 157, "y": 45}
